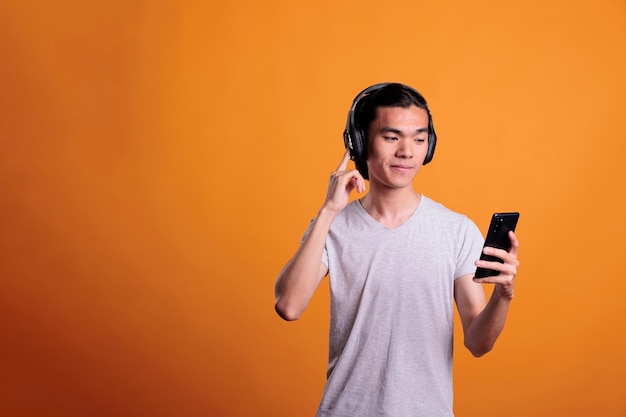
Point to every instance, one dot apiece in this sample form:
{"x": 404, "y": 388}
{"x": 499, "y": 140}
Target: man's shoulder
{"x": 450, "y": 223}
{"x": 438, "y": 209}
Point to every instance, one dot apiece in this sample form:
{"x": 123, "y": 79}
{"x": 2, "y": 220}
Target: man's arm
{"x": 299, "y": 279}
{"x": 483, "y": 321}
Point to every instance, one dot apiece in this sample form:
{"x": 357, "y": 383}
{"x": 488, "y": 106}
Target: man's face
{"x": 397, "y": 145}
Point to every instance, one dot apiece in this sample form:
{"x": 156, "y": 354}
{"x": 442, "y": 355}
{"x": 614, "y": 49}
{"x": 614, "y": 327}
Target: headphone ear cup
{"x": 353, "y": 139}
{"x": 361, "y": 166}
{"x": 359, "y": 148}
{"x": 432, "y": 140}
{"x": 360, "y": 159}
{"x": 347, "y": 141}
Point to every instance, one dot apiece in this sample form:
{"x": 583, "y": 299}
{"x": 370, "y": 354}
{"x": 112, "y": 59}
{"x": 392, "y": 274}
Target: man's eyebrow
{"x": 389, "y": 129}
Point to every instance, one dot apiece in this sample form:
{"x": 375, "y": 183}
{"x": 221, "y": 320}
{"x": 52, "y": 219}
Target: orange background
{"x": 161, "y": 160}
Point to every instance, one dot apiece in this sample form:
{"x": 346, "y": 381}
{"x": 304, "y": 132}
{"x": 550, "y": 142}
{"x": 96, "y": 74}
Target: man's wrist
{"x": 327, "y": 211}
{"x": 504, "y": 293}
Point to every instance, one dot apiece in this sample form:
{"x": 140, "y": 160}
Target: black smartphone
{"x": 498, "y": 237}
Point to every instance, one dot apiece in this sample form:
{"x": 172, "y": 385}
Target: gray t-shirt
{"x": 391, "y": 326}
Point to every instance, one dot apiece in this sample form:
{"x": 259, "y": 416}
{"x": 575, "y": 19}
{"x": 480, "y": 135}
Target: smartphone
{"x": 498, "y": 237}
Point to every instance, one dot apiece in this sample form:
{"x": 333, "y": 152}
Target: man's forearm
{"x": 487, "y": 326}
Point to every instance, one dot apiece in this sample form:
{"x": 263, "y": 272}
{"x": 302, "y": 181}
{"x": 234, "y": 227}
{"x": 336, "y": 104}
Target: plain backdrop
{"x": 159, "y": 162}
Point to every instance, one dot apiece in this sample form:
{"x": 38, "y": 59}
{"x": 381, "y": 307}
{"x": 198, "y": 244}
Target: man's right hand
{"x": 342, "y": 182}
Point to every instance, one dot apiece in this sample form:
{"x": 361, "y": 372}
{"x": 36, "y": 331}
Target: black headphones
{"x": 354, "y": 136}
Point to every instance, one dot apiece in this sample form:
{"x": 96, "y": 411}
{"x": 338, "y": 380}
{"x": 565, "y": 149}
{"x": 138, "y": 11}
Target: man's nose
{"x": 404, "y": 150}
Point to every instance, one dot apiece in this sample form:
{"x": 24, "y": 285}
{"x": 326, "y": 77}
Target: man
{"x": 396, "y": 261}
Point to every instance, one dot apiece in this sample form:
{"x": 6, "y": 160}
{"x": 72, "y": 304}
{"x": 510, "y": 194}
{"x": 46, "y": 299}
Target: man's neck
{"x": 391, "y": 207}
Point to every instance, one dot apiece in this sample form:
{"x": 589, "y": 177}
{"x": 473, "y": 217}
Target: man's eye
{"x": 390, "y": 137}
{"x": 419, "y": 140}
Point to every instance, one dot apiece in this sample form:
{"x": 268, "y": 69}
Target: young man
{"x": 396, "y": 261}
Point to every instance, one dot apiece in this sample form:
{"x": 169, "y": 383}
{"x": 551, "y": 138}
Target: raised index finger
{"x": 344, "y": 160}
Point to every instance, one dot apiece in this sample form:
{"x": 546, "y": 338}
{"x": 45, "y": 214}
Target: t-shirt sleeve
{"x": 471, "y": 246}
